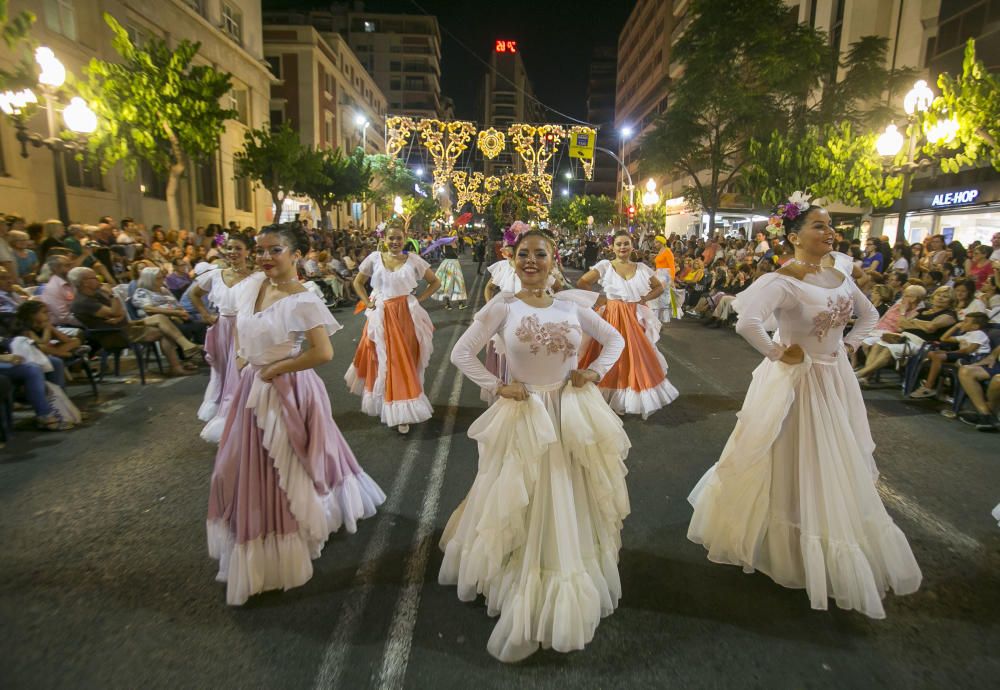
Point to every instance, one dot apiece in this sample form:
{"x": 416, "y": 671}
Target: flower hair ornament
{"x": 516, "y": 229}
{"x": 797, "y": 204}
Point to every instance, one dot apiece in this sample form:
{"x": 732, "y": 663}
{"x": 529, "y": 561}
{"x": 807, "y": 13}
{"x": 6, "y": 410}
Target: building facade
{"x": 325, "y": 94}
{"x": 402, "y": 52}
{"x": 230, "y": 35}
{"x": 506, "y": 97}
{"x": 601, "y": 113}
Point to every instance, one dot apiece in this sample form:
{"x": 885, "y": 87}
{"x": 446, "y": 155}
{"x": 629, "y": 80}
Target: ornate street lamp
{"x": 890, "y": 143}
{"x": 77, "y": 116}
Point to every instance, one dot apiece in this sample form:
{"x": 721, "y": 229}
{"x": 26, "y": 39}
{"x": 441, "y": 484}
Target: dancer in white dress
{"x": 637, "y": 383}
{"x": 794, "y": 493}
{"x": 396, "y": 344}
{"x": 218, "y": 286}
{"x": 539, "y": 532}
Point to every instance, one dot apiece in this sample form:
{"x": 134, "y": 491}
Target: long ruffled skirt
{"x": 637, "y": 383}
{"x": 539, "y": 532}
{"x": 284, "y": 480}
{"x": 794, "y": 493}
{"x": 452, "y": 282}
{"x": 389, "y": 364}
{"x": 223, "y": 380}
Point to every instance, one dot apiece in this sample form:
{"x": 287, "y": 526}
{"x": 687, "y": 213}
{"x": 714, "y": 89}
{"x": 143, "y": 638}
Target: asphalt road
{"x": 105, "y": 581}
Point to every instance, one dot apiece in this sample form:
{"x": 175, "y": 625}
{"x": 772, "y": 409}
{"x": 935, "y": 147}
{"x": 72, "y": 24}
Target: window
{"x": 196, "y": 5}
{"x": 207, "y": 191}
{"x": 243, "y": 194}
{"x": 274, "y": 61}
{"x": 277, "y": 116}
{"x": 328, "y": 85}
{"x": 60, "y": 16}
{"x": 369, "y": 27}
{"x": 395, "y": 66}
{"x": 80, "y": 175}
{"x": 135, "y": 34}
{"x": 152, "y": 185}
{"x": 328, "y": 130}
{"x": 238, "y": 102}
{"x": 232, "y": 22}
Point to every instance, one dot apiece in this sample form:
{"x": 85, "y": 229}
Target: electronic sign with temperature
{"x": 503, "y": 46}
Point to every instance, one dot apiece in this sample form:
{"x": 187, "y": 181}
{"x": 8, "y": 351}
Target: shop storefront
{"x": 963, "y": 214}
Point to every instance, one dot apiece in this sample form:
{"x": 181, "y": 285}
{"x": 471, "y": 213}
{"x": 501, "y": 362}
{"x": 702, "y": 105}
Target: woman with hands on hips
{"x": 396, "y": 343}
{"x": 539, "y": 532}
{"x": 794, "y": 494}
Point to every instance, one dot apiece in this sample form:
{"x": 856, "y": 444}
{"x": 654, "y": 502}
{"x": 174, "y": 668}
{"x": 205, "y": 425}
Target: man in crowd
{"x": 58, "y": 294}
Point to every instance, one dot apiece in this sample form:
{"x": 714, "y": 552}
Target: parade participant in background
{"x": 395, "y": 346}
{"x": 284, "y": 477}
{"x": 540, "y": 530}
{"x": 794, "y": 494}
{"x": 449, "y": 274}
{"x": 667, "y": 307}
{"x": 218, "y": 286}
{"x": 637, "y": 383}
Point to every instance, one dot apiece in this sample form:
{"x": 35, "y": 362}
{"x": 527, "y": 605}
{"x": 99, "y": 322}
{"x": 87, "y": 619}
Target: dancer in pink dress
{"x": 284, "y": 477}
{"x": 218, "y": 286}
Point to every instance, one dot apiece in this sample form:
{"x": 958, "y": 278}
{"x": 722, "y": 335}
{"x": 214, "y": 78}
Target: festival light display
{"x": 445, "y": 141}
{"x": 536, "y": 155}
{"x": 587, "y": 163}
{"x": 491, "y": 142}
{"x": 398, "y": 130}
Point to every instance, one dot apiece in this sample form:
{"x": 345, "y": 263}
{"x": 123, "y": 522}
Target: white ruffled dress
{"x": 539, "y": 532}
{"x": 794, "y": 494}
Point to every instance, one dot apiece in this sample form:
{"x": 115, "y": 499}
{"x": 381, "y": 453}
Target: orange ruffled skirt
{"x": 637, "y": 383}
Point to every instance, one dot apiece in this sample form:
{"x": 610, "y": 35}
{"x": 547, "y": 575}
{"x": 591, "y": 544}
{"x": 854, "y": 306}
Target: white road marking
{"x": 349, "y": 620}
{"x": 404, "y": 619}
{"x": 927, "y": 521}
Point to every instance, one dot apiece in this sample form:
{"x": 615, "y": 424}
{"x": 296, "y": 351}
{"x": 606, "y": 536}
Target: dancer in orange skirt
{"x": 638, "y": 383}
{"x": 395, "y": 346}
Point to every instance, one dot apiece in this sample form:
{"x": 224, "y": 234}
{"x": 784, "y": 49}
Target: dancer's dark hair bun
{"x": 292, "y": 234}
{"x": 246, "y": 239}
{"x": 795, "y": 224}
{"x": 535, "y": 233}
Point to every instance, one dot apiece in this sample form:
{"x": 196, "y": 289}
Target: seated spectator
{"x": 97, "y": 308}
{"x": 151, "y": 297}
{"x": 929, "y": 324}
{"x": 987, "y": 406}
{"x": 54, "y": 234}
{"x": 906, "y": 308}
{"x": 724, "y": 309}
{"x": 33, "y": 379}
{"x": 24, "y": 256}
{"x": 38, "y": 342}
{"x": 979, "y": 268}
{"x": 873, "y": 261}
{"x": 11, "y": 295}
{"x": 965, "y": 298}
{"x": 964, "y": 342}
{"x": 178, "y": 280}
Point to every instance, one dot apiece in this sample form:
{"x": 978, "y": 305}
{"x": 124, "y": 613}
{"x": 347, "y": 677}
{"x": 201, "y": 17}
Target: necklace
{"x": 534, "y": 292}
{"x": 805, "y": 263}
{"x": 279, "y": 283}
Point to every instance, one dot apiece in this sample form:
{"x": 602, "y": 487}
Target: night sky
{"x": 555, "y": 38}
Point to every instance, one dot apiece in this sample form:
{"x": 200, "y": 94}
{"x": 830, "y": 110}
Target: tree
{"x": 972, "y": 101}
{"x": 389, "y": 178}
{"x": 16, "y": 33}
{"x": 156, "y": 106}
{"x": 746, "y": 63}
{"x": 340, "y": 178}
{"x": 419, "y": 211}
{"x": 277, "y": 161}
{"x": 820, "y": 148}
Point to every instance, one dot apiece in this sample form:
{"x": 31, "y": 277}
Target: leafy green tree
{"x": 157, "y": 106}
{"x": 277, "y": 161}
{"x": 389, "y": 178}
{"x": 340, "y": 178}
{"x": 16, "y": 33}
{"x": 746, "y": 64}
{"x": 973, "y": 100}
{"x": 418, "y": 212}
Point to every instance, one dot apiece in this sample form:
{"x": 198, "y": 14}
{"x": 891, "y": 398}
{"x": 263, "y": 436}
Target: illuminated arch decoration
{"x": 445, "y": 141}
{"x": 491, "y": 142}
{"x": 466, "y": 186}
{"x": 587, "y": 163}
{"x": 536, "y": 154}
{"x": 398, "y": 130}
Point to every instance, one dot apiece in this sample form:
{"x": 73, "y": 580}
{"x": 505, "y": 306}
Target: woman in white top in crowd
{"x": 637, "y": 383}
{"x": 539, "y": 532}
{"x": 217, "y": 285}
{"x": 284, "y": 477}
{"x": 794, "y": 494}
{"x": 395, "y": 346}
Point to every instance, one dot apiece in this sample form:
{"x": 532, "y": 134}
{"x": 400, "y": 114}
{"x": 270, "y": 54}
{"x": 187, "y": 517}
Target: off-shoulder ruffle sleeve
{"x": 368, "y": 265}
{"x": 304, "y": 312}
{"x": 419, "y": 264}
{"x": 207, "y": 279}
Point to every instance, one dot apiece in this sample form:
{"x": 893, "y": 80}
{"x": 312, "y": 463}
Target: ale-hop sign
{"x": 965, "y": 196}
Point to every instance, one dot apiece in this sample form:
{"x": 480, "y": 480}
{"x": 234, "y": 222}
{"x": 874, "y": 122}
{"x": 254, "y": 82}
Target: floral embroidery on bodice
{"x": 554, "y": 337}
{"x": 837, "y": 315}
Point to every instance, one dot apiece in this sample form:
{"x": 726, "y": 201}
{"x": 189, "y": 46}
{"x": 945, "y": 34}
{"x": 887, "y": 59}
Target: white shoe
{"x": 404, "y": 428}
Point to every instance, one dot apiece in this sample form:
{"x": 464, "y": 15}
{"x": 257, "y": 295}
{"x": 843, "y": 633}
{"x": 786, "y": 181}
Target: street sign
{"x": 581, "y": 145}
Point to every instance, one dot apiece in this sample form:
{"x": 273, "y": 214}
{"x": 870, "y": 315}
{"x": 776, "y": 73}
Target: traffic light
{"x": 550, "y": 139}
{"x": 630, "y": 211}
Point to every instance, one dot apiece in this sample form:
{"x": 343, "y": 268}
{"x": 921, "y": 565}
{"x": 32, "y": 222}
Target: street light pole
{"x": 58, "y": 162}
